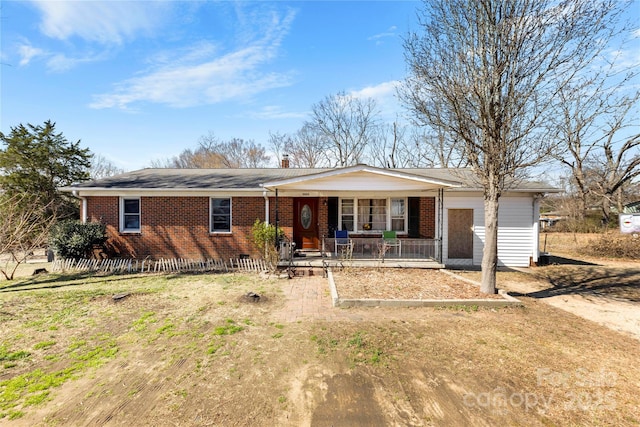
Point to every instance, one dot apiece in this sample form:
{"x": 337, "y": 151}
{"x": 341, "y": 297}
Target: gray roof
{"x": 229, "y": 179}
{"x": 165, "y": 178}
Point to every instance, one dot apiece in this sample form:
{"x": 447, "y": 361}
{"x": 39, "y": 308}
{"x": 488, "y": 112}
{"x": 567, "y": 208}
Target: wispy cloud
{"x": 390, "y": 32}
{"x": 207, "y": 77}
{"x": 55, "y": 61}
{"x": 106, "y": 22}
{"x": 89, "y": 29}
{"x": 271, "y": 112}
{"x": 28, "y": 52}
{"x": 60, "y": 62}
{"x": 382, "y": 90}
{"x": 385, "y": 96}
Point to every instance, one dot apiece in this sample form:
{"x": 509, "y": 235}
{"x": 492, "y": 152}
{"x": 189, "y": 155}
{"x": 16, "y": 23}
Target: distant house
{"x": 633, "y": 207}
{"x": 208, "y": 213}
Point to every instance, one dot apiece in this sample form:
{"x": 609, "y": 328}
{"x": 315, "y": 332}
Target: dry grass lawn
{"x": 190, "y": 350}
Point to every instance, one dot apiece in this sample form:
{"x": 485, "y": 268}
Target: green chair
{"x": 390, "y": 240}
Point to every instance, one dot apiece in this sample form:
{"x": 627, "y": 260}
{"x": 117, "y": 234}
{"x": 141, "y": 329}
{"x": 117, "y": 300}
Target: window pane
{"x": 132, "y": 222}
{"x": 221, "y": 215}
{"x": 347, "y": 207}
{"x": 131, "y": 206}
{"x": 397, "y": 224}
{"x": 221, "y": 203}
{"x": 397, "y": 207}
{"x": 372, "y": 214}
{"x": 346, "y": 214}
{"x": 347, "y": 223}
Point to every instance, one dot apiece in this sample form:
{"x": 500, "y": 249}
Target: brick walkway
{"x": 308, "y": 297}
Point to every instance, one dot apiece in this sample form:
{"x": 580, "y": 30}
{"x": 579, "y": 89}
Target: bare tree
{"x": 619, "y": 161}
{"x": 347, "y": 124}
{"x": 388, "y": 147}
{"x": 214, "y": 153}
{"x": 574, "y": 129}
{"x": 279, "y": 143}
{"x": 485, "y": 73}
{"x": 24, "y": 227}
{"x": 307, "y": 148}
{"x": 101, "y": 167}
{"x": 591, "y": 115}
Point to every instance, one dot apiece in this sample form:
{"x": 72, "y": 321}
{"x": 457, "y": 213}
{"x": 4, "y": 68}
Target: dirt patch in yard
{"x": 607, "y": 293}
{"x": 405, "y": 284}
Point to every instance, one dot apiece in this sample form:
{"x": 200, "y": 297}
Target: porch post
{"x": 277, "y": 234}
{"x": 440, "y": 223}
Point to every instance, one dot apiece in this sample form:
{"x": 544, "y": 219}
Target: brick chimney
{"x": 285, "y": 161}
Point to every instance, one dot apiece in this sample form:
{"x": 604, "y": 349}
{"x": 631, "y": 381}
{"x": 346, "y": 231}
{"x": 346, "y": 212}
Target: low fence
{"x": 171, "y": 265}
{"x": 376, "y": 248}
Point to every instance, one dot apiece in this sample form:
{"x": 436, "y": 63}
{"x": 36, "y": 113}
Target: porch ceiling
{"x": 364, "y": 178}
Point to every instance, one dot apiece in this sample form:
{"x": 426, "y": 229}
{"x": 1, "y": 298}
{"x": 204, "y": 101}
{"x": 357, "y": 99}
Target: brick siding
{"x": 427, "y": 217}
{"x": 178, "y": 227}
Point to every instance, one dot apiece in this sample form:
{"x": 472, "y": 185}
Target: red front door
{"x": 305, "y": 230}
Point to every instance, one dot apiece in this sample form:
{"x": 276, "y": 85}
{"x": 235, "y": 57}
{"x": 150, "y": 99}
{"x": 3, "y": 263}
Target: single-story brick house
{"x": 209, "y": 213}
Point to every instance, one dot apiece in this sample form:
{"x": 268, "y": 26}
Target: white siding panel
{"x": 515, "y": 236}
{"x": 515, "y": 229}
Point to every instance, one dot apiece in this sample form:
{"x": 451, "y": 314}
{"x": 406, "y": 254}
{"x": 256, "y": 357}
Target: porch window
{"x": 221, "y": 215}
{"x": 347, "y": 218}
{"x": 398, "y": 214}
{"x": 375, "y": 215}
{"x": 130, "y": 214}
{"x": 372, "y": 214}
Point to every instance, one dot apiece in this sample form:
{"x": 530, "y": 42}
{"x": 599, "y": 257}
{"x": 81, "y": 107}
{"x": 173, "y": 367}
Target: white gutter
{"x": 266, "y": 207}
{"x": 83, "y": 213}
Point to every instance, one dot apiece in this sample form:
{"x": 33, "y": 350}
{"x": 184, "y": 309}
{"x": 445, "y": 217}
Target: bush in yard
{"x": 74, "y": 239}
{"x": 615, "y": 245}
{"x": 264, "y": 237}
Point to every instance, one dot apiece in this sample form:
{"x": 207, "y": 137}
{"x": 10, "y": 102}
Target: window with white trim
{"x": 220, "y": 215}
{"x": 398, "y": 214}
{"x": 347, "y": 218}
{"x": 373, "y": 215}
{"x": 130, "y": 214}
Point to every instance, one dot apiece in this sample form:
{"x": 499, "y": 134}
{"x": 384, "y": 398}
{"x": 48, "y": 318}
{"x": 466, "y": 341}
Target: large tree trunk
{"x": 606, "y": 210}
{"x": 619, "y": 198}
{"x": 490, "y": 251}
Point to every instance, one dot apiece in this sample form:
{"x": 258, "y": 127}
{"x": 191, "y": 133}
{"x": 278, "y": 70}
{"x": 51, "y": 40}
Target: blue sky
{"x": 143, "y": 80}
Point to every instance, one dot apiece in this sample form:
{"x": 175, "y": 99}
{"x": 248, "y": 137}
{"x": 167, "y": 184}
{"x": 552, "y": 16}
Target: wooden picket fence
{"x": 170, "y": 265}
{"x": 254, "y": 265}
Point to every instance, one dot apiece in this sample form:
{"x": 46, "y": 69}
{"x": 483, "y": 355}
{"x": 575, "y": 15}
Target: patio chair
{"x": 390, "y": 240}
{"x": 343, "y": 243}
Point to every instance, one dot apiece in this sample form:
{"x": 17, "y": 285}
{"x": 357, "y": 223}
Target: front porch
{"x": 389, "y": 217}
{"x": 366, "y": 252}
{"x": 379, "y": 249}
